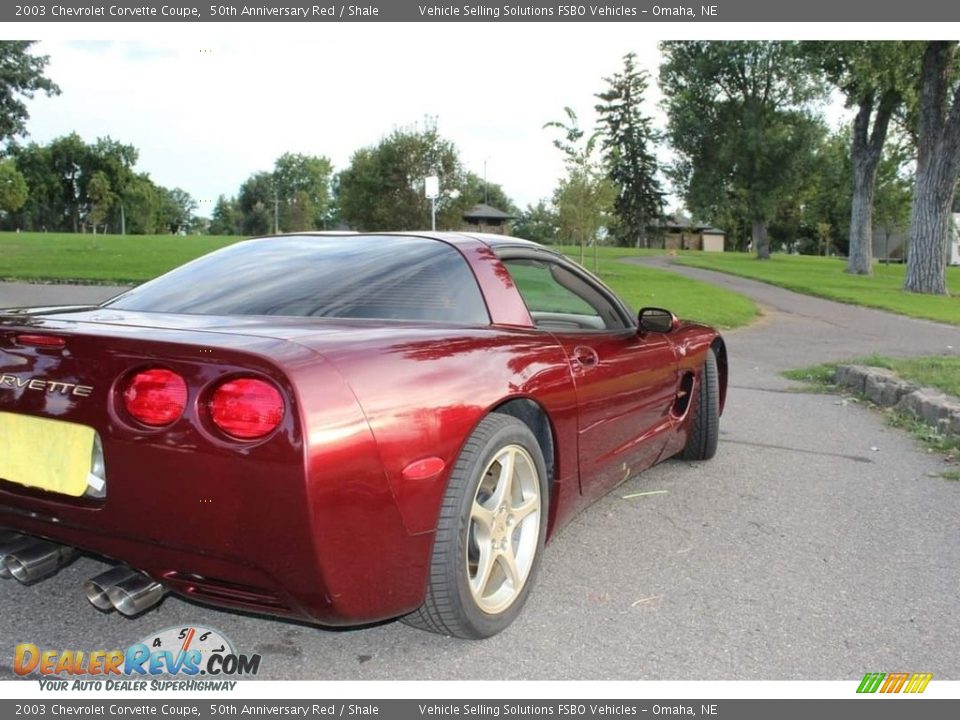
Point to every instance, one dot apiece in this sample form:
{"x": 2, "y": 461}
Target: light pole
{"x": 486, "y": 201}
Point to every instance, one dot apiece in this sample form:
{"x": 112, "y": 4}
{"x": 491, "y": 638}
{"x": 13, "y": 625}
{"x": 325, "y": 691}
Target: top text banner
{"x": 537, "y": 11}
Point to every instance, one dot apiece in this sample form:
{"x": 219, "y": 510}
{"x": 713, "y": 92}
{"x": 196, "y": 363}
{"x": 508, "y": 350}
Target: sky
{"x": 206, "y": 113}
{"x": 208, "y": 105}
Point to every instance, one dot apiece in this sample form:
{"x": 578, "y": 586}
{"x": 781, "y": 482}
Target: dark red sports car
{"x": 339, "y": 428}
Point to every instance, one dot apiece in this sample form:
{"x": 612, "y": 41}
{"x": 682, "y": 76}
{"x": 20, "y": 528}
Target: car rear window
{"x": 350, "y": 276}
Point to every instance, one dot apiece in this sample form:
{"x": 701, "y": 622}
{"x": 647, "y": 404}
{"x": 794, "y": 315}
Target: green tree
{"x": 21, "y": 76}
{"x": 142, "y": 201}
{"x": 538, "y": 223}
{"x": 13, "y": 187}
{"x": 69, "y": 157}
{"x": 101, "y": 198}
{"x": 383, "y": 187}
{"x": 116, "y": 161}
{"x": 740, "y": 124}
{"x": 584, "y": 197}
{"x": 827, "y": 196}
{"x": 255, "y": 203}
{"x": 938, "y": 165}
{"x": 302, "y": 184}
{"x": 628, "y": 141}
{"x": 875, "y": 78}
{"x": 176, "y": 210}
{"x": 69, "y": 181}
{"x": 43, "y": 209}
{"x": 226, "y": 218}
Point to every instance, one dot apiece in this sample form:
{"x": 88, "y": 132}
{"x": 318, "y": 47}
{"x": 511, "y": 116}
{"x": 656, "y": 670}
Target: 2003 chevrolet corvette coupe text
{"x": 339, "y": 428}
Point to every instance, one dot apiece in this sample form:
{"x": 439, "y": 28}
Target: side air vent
{"x": 682, "y": 402}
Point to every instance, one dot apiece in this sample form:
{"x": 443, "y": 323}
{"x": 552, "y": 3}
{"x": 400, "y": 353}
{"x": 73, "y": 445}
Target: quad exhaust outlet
{"x": 30, "y": 559}
{"x": 127, "y": 591}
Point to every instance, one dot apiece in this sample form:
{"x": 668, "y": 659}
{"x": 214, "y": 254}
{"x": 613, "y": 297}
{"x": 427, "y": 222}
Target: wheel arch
{"x": 535, "y": 416}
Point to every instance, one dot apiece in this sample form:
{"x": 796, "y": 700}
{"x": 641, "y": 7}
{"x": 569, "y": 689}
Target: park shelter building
{"x": 487, "y": 219}
{"x": 677, "y": 232}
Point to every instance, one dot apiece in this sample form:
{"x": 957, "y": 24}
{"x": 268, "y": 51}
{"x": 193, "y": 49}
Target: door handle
{"x": 585, "y": 357}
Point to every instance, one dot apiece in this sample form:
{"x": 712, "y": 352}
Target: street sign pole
{"x": 431, "y": 189}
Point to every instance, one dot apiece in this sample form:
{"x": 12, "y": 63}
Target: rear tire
{"x": 705, "y": 420}
{"x": 490, "y": 533}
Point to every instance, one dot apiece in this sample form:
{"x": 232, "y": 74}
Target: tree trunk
{"x": 866, "y": 151}
{"x": 761, "y": 243}
{"x": 938, "y": 164}
{"x": 860, "y": 261}
{"x": 929, "y": 235}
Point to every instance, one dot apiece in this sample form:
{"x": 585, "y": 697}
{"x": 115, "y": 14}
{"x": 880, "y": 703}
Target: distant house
{"x": 954, "y": 258}
{"x": 677, "y": 232}
{"x": 488, "y": 219}
{"x": 891, "y": 244}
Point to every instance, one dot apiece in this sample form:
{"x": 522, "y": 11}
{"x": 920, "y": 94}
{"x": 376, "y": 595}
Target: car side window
{"x": 559, "y": 299}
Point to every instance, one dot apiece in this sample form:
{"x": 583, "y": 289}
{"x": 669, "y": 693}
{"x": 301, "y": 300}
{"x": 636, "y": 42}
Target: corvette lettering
{"x": 50, "y": 386}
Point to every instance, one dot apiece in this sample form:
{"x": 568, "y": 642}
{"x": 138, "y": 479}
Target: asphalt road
{"x": 818, "y": 545}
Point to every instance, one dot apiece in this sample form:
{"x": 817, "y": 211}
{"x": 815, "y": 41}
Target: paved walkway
{"x": 799, "y": 330}
{"x": 20, "y": 294}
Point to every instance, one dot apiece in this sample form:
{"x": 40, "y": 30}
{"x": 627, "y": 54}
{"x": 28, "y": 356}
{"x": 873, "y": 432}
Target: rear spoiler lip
{"x": 45, "y": 309}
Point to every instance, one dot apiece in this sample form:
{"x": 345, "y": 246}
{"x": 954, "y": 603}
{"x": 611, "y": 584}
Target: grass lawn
{"x": 936, "y": 371}
{"x": 824, "y": 277}
{"x": 103, "y": 259}
{"x": 690, "y": 299}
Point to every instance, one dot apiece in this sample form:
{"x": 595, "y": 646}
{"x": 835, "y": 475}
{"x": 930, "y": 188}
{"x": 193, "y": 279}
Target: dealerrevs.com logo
{"x": 185, "y": 652}
{"x": 910, "y": 683}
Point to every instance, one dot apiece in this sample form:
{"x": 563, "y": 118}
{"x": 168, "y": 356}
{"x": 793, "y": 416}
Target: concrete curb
{"x": 883, "y": 387}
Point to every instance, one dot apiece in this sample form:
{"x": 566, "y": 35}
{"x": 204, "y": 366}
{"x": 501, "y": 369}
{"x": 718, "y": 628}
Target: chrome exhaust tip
{"x": 97, "y": 588}
{"x": 135, "y": 594}
{"x": 10, "y": 542}
{"x": 36, "y": 560}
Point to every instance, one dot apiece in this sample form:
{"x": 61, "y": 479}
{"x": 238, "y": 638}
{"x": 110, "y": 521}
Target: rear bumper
{"x": 295, "y": 576}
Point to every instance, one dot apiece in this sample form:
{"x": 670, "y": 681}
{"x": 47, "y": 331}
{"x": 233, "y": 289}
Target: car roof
{"x": 491, "y": 239}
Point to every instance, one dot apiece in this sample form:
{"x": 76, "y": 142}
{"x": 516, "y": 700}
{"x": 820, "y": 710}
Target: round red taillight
{"x": 155, "y": 397}
{"x": 246, "y": 408}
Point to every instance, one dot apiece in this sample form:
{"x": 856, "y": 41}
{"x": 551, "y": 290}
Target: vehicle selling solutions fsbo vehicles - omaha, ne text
{"x": 339, "y": 428}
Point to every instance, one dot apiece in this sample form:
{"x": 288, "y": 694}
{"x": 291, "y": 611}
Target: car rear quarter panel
{"x": 423, "y": 391}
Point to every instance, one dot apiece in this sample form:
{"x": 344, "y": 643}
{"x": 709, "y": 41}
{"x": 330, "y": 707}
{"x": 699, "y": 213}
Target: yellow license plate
{"x": 47, "y": 454}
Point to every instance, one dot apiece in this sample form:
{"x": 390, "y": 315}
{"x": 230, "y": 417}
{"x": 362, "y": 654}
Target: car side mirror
{"x": 657, "y": 320}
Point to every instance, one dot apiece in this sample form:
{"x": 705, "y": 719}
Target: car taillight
{"x": 156, "y": 397}
{"x": 246, "y": 408}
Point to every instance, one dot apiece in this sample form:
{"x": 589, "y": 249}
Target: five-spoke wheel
{"x": 503, "y": 530}
{"x": 490, "y": 532}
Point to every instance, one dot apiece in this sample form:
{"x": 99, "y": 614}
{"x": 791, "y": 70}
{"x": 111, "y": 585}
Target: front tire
{"x": 705, "y": 423}
{"x": 490, "y": 533}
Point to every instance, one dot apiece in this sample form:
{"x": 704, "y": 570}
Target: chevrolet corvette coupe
{"x": 339, "y": 428}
